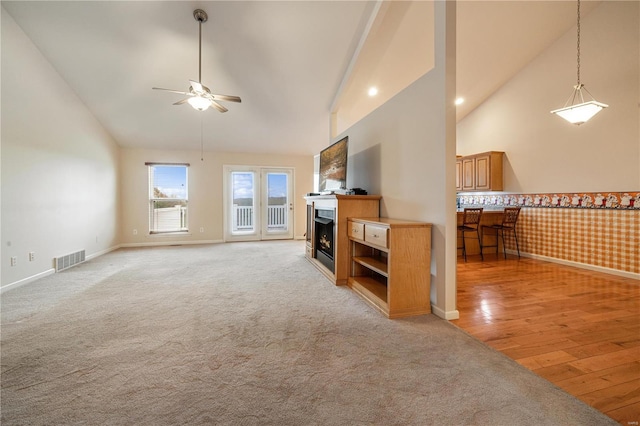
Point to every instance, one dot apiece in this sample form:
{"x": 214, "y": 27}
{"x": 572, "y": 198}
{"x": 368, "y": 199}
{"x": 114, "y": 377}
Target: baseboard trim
{"x": 52, "y": 271}
{"x": 27, "y": 280}
{"x": 170, "y": 243}
{"x": 447, "y": 315}
{"x": 595, "y": 268}
{"x": 100, "y": 253}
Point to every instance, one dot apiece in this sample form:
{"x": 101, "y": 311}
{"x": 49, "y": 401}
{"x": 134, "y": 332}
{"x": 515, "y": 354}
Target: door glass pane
{"x": 277, "y": 202}
{"x": 243, "y": 210}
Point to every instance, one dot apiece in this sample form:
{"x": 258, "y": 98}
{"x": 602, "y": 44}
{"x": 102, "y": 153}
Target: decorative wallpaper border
{"x": 585, "y": 200}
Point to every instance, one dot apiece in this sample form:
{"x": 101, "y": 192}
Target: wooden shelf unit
{"x": 391, "y": 265}
{"x": 345, "y": 206}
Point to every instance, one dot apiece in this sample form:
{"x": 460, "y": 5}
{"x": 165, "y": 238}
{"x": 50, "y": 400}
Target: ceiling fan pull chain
{"x": 201, "y": 139}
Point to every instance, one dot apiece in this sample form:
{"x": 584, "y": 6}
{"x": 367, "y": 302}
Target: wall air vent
{"x": 66, "y": 262}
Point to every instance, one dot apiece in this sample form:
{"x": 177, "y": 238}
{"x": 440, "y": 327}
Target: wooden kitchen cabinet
{"x": 458, "y": 173}
{"x": 481, "y": 172}
{"x": 468, "y": 173}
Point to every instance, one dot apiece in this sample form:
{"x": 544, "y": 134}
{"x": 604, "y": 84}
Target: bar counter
{"x": 489, "y": 217}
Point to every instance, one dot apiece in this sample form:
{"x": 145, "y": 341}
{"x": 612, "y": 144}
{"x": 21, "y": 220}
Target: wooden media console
{"x": 385, "y": 261}
{"x": 391, "y": 265}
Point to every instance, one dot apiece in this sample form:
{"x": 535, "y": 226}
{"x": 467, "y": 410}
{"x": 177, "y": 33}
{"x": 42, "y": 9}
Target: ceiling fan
{"x": 199, "y": 95}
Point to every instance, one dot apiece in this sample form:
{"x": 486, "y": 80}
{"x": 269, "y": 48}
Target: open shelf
{"x": 374, "y": 263}
{"x": 372, "y": 289}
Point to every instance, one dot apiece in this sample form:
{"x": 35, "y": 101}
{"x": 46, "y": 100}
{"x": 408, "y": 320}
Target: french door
{"x": 258, "y": 203}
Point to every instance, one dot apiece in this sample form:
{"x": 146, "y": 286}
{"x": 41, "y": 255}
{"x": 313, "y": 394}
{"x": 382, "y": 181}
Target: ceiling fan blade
{"x": 218, "y": 106}
{"x": 183, "y": 101}
{"x": 172, "y": 91}
{"x": 227, "y": 98}
{"x": 197, "y": 87}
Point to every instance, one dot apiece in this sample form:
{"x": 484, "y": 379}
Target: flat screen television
{"x": 333, "y": 166}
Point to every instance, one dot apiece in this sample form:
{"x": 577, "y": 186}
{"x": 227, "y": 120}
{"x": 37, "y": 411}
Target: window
{"x": 168, "y": 195}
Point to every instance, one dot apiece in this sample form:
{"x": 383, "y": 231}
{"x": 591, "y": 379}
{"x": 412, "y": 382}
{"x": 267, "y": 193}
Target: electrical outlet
{"x": 14, "y": 260}
{"x": 32, "y": 256}
{"x": 201, "y": 229}
{"x": 135, "y": 232}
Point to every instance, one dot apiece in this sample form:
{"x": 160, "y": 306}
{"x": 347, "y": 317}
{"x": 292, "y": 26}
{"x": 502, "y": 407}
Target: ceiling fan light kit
{"x": 199, "y": 103}
{"x": 199, "y": 95}
{"x": 578, "y": 113}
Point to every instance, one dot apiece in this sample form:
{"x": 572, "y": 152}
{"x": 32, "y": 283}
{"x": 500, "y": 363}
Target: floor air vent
{"x": 66, "y": 262}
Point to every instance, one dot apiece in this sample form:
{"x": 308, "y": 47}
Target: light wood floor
{"x": 577, "y": 328}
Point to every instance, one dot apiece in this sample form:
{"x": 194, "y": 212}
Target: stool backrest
{"x": 472, "y": 216}
{"x": 510, "y": 216}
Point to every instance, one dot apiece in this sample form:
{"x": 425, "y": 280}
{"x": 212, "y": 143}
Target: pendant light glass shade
{"x": 578, "y": 113}
{"x": 199, "y": 103}
{"x": 582, "y": 112}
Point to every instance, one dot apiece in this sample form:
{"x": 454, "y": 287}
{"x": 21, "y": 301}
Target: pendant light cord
{"x": 578, "y": 44}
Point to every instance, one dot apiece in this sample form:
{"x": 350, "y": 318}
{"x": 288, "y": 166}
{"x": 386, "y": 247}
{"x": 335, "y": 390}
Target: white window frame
{"x": 181, "y": 204}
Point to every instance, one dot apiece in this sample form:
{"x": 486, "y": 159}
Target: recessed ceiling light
{"x": 459, "y": 101}
{"x": 373, "y": 91}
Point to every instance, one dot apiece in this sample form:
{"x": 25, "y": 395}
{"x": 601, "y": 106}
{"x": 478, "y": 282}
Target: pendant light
{"x": 579, "y": 111}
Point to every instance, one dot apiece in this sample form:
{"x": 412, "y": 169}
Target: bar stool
{"x": 508, "y": 224}
{"x": 471, "y": 223}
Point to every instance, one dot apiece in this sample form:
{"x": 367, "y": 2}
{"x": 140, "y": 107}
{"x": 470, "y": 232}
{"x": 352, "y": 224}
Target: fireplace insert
{"x": 324, "y": 237}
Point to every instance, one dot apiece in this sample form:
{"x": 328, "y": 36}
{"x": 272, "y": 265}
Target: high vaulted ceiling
{"x": 285, "y": 59}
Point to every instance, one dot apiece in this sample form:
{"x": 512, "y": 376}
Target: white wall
{"x": 405, "y": 151}
{"x": 205, "y": 191}
{"x": 59, "y": 166}
{"x": 543, "y": 152}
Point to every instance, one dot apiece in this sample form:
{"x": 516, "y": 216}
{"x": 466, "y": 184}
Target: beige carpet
{"x": 246, "y": 334}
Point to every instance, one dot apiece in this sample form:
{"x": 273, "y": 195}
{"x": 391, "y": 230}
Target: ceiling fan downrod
{"x": 200, "y": 16}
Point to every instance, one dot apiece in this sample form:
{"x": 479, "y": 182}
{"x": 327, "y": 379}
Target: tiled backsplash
{"x": 600, "y": 229}
{"x": 584, "y": 200}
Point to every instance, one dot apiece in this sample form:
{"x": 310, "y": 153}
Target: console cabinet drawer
{"x": 375, "y": 235}
{"x": 356, "y": 230}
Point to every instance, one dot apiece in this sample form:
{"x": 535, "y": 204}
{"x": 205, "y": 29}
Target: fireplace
{"x": 324, "y": 237}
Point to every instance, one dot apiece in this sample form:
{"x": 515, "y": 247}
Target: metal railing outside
{"x": 277, "y": 217}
